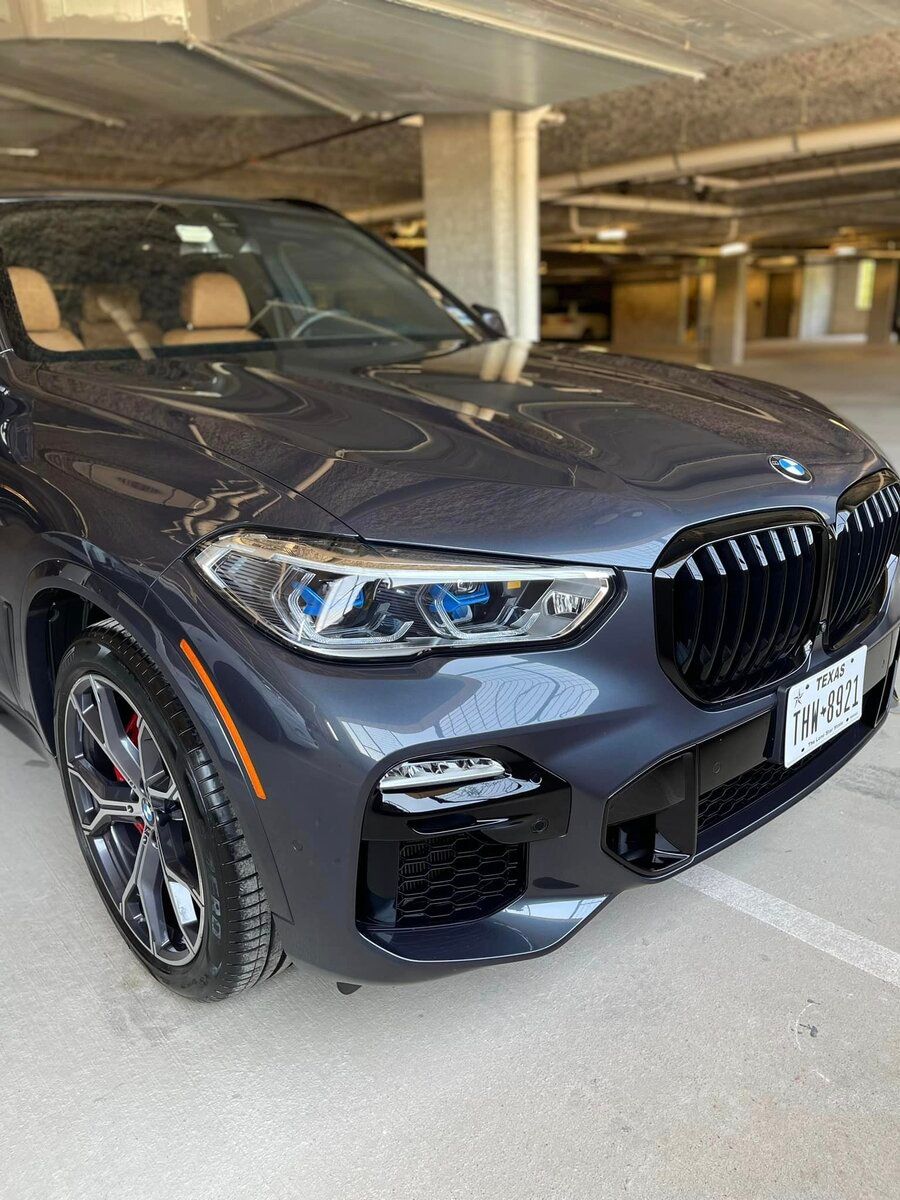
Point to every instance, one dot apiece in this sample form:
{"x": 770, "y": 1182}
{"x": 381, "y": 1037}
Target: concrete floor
{"x": 733, "y": 1035}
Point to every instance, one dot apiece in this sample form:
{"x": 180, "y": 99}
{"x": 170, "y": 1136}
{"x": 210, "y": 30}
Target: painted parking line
{"x": 823, "y": 935}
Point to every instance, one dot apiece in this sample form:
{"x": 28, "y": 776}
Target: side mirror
{"x": 492, "y": 318}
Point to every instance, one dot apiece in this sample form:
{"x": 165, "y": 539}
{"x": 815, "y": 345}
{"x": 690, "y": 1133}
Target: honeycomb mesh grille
{"x": 457, "y": 878}
{"x": 723, "y": 802}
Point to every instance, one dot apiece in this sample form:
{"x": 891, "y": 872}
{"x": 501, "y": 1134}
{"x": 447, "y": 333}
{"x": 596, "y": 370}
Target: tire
{"x": 161, "y": 840}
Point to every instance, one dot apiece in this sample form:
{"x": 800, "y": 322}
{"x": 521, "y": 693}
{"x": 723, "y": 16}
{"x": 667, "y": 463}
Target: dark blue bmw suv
{"x": 367, "y": 637}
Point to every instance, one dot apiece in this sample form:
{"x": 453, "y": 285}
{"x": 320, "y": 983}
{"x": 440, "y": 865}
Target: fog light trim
{"x": 440, "y": 772}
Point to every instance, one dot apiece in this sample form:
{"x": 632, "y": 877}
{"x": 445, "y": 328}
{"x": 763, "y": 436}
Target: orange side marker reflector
{"x": 227, "y": 719}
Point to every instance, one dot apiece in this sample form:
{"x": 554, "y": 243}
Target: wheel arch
{"x": 56, "y": 616}
{"x": 61, "y": 598}
{"x": 75, "y": 598}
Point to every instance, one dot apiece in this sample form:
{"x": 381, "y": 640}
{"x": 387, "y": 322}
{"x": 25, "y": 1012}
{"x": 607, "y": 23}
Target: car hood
{"x": 549, "y": 452}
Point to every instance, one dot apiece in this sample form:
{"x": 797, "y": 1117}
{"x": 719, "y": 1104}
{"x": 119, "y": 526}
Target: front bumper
{"x": 597, "y": 716}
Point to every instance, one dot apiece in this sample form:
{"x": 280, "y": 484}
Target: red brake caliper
{"x": 131, "y": 732}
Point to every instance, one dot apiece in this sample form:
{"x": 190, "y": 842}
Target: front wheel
{"x": 160, "y": 838}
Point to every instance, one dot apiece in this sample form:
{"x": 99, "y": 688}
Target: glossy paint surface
{"x": 461, "y": 447}
{"x": 111, "y": 469}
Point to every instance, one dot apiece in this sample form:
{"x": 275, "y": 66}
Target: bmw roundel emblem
{"x": 790, "y": 468}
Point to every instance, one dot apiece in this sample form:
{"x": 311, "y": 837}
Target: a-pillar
{"x": 883, "y": 313}
{"x": 482, "y": 211}
{"x": 728, "y": 319}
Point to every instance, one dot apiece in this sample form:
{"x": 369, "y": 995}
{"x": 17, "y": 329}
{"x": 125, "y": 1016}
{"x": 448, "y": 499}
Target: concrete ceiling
{"x": 363, "y": 56}
{"x": 359, "y": 57}
{"x": 287, "y": 98}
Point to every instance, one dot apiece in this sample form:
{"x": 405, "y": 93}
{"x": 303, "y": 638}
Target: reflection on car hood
{"x": 550, "y": 451}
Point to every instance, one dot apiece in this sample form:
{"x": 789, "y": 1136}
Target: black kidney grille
{"x": 457, "y": 878}
{"x": 868, "y": 533}
{"x": 742, "y": 609}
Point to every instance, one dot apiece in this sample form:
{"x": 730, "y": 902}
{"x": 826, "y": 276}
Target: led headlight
{"x": 344, "y": 599}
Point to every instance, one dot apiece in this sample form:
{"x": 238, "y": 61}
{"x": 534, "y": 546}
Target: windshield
{"x": 95, "y": 277}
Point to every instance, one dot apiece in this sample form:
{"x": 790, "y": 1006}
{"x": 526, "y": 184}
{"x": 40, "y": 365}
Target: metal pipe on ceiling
{"x": 814, "y": 202}
{"x": 53, "y": 104}
{"x": 835, "y": 171}
{"x": 652, "y": 204}
{"x": 403, "y": 210}
{"x": 272, "y": 80}
{"x": 718, "y": 183}
{"x": 800, "y": 143}
{"x": 812, "y": 218}
{"x": 703, "y": 209}
{"x": 831, "y": 140}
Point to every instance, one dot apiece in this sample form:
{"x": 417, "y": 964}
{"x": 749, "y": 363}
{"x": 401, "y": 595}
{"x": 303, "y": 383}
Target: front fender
{"x": 144, "y": 615}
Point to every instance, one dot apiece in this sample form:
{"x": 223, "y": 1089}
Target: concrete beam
{"x": 673, "y": 63}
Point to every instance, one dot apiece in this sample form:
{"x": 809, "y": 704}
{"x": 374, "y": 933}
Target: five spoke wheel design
{"x": 133, "y": 821}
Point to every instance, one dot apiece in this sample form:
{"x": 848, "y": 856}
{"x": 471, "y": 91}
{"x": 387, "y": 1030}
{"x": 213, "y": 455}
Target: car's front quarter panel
{"x": 596, "y": 714}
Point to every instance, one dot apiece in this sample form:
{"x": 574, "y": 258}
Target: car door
{"x": 18, "y": 516}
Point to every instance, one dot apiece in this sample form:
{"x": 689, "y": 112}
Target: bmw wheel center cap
{"x": 790, "y": 468}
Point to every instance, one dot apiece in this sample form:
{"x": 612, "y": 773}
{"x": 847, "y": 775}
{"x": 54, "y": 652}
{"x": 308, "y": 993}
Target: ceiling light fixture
{"x": 727, "y": 249}
{"x": 611, "y": 233}
{"x": 19, "y": 151}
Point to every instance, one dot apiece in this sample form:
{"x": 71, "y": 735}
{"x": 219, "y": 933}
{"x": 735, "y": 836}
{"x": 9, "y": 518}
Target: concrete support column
{"x": 728, "y": 323}
{"x": 482, "y": 209}
{"x": 884, "y": 302}
{"x": 816, "y": 299}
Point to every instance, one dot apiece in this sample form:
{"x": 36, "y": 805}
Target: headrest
{"x": 214, "y": 300}
{"x": 34, "y": 296}
{"x": 119, "y": 295}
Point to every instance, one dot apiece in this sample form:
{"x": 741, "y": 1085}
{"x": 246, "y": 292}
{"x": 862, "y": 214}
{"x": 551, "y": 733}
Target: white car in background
{"x": 574, "y": 323}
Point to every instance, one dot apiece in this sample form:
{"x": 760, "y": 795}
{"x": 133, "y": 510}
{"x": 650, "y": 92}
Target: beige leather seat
{"x": 40, "y": 312}
{"x": 215, "y": 309}
{"x": 101, "y": 304}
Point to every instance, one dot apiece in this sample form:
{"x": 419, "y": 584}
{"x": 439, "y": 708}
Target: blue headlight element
{"x": 459, "y": 607}
{"x": 313, "y": 602}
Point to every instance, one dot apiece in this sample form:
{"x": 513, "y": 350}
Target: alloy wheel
{"x": 132, "y": 819}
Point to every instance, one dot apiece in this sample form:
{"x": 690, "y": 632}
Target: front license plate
{"x": 820, "y": 707}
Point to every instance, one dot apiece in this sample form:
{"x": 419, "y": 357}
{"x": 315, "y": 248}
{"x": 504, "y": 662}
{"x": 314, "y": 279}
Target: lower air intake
{"x": 723, "y": 802}
{"x": 457, "y": 878}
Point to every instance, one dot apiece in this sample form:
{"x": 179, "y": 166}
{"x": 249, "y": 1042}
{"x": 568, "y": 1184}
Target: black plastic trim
{"x": 640, "y": 818}
{"x": 527, "y": 804}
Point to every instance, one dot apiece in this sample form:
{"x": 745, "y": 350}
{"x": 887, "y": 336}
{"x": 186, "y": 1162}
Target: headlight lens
{"x": 344, "y": 599}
